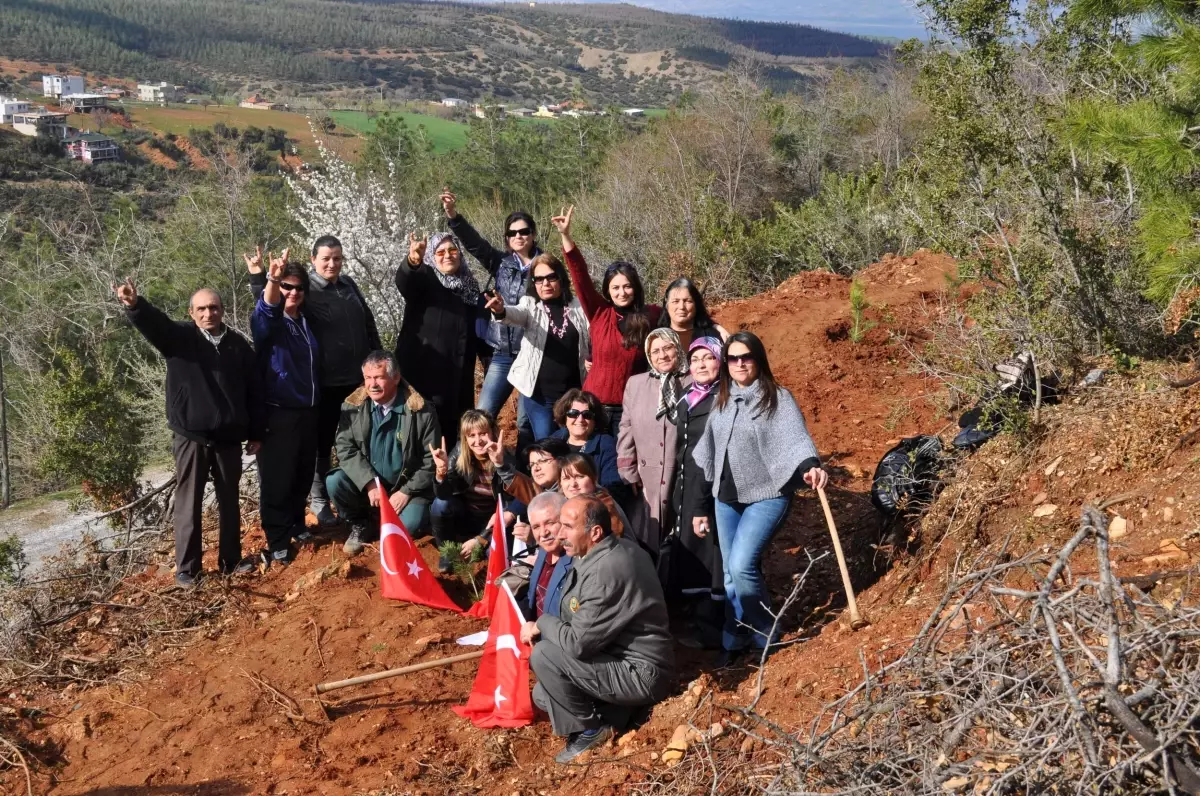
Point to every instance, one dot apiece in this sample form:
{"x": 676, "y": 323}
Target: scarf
{"x": 669, "y": 386}
{"x": 699, "y": 391}
{"x": 462, "y": 282}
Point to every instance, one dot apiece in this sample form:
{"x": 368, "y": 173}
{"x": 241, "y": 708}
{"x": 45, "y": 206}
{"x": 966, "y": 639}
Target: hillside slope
{"x": 617, "y": 54}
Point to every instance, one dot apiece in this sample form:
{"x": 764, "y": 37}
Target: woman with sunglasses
{"x": 619, "y": 320}
{"x": 685, "y": 313}
{"x": 756, "y": 451}
{"x": 581, "y": 417}
{"x": 509, "y": 267}
{"x": 288, "y": 360}
{"x": 436, "y": 344}
{"x": 553, "y": 357}
{"x": 646, "y": 441}
{"x": 693, "y": 570}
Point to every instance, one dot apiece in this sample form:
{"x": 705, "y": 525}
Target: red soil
{"x": 196, "y": 723}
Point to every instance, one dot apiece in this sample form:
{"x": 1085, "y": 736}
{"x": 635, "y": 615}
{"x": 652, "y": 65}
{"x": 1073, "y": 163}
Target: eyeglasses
{"x": 288, "y": 287}
{"x": 443, "y": 253}
{"x": 524, "y": 232}
{"x": 539, "y": 462}
{"x": 586, "y": 414}
{"x": 545, "y": 278}
{"x": 739, "y": 358}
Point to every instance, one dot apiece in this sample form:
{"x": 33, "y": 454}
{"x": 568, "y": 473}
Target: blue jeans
{"x": 743, "y": 532}
{"x": 495, "y": 391}
{"x": 540, "y": 414}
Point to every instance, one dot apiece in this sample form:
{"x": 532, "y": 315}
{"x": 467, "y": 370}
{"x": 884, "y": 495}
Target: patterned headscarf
{"x": 462, "y": 282}
{"x": 698, "y": 391}
{"x": 668, "y": 392}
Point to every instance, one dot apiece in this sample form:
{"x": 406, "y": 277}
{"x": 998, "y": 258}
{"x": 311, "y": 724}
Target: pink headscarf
{"x": 698, "y": 391}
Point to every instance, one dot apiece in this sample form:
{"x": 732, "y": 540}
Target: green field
{"x": 178, "y": 119}
{"x": 446, "y": 135}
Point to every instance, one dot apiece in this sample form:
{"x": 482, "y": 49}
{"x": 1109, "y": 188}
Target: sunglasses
{"x": 524, "y": 232}
{"x": 287, "y": 287}
{"x": 586, "y": 414}
{"x": 739, "y": 358}
{"x": 446, "y": 253}
{"x": 545, "y": 278}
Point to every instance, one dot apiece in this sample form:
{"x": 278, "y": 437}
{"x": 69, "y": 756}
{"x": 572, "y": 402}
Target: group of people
{"x": 656, "y": 454}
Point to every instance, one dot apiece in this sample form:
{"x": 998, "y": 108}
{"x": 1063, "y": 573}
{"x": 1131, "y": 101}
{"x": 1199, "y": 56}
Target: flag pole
{"x": 323, "y": 688}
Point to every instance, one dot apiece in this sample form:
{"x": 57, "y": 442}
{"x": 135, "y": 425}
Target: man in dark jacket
{"x": 214, "y": 403}
{"x": 387, "y": 432}
{"x": 609, "y": 651}
{"x": 345, "y": 330}
{"x": 287, "y": 355}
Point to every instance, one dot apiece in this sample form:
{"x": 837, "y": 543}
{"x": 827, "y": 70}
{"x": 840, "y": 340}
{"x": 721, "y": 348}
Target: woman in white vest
{"x": 554, "y": 348}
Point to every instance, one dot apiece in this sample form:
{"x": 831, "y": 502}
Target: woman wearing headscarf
{"x": 620, "y": 321}
{"x": 646, "y": 441}
{"x": 694, "y": 571}
{"x": 436, "y": 344}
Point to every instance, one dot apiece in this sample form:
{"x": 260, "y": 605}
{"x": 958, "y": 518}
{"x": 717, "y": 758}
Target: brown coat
{"x": 646, "y": 456}
{"x": 524, "y": 489}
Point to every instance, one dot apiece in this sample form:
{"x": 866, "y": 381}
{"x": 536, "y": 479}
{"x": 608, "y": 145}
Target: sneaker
{"x": 304, "y": 536}
{"x": 186, "y": 581}
{"x": 244, "y": 567}
{"x": 356, "y": 541}
{"x": 280, "y": 558}
{"x": 325, "y": 516}
{"x": 580, "y": 742}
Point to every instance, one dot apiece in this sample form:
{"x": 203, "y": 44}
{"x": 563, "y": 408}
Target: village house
{"x": 453, "y": 102}
{"x": 58, "y": 85}
{"x": 82, "y": 103}
{"x": 41, "y": 122}
{"x": 259, "y": 103}
{"x": 160, "y": 92}
{"x": 92, "y": 148}
{"x": 9, "y": 106}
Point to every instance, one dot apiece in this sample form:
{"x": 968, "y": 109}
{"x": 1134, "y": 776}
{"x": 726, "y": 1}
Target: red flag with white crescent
{"x": 497, "y": 563}
{"x": 403, "y": 574}
{"x": 500, "y": 696}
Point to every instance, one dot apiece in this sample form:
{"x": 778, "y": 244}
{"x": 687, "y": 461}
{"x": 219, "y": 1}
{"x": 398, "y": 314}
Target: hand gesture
{"x": 416, "y": 249}
{"x": 449, "y": 202}
{"x": 494, "y": 304}
{"x": 254, "y": 264}
{"x": 816, "y": 478}
{"x": 562, "y": 222}
{"x": 275, "y": 272}
{"x": 441, "y": 461}
{"x": 700, "y": 526}
{"x": 126, "y": 293}
{"x": 495, "y": 451}
{"x": 523, "y": 531}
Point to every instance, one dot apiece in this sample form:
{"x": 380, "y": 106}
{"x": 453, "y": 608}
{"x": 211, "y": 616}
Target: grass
{"x": 179, "y": 120}
{"x": 445, "y": 134}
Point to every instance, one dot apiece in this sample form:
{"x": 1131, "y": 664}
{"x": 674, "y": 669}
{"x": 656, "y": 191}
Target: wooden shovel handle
{"x": 852, "y": 604}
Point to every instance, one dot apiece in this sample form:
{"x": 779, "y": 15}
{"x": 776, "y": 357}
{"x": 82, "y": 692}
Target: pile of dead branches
{"x": 1027, "y": 678}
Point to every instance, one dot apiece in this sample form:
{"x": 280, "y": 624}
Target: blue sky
{"x": 869, "y": 17}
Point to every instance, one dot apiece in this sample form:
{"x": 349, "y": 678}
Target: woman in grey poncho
{"x": 755, "y": 451}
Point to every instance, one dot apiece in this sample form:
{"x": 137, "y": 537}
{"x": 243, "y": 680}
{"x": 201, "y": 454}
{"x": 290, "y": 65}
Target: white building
{"x": 9, "y": 106}
{"x": 57, "y": 85}
{"x": 159, "y": 92}
{"x": 82, "y": 103}
{"x": 452, "y": 102}
{"x": 31, "y": 123}
{"x": 634, "y": 112}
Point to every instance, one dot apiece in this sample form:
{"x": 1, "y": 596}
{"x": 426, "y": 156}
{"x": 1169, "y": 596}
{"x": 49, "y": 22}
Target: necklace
{"x": 557, "y": 331}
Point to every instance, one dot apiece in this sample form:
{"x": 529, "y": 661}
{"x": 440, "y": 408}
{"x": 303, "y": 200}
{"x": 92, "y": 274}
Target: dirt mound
{"x": 157, "y": 156}
{"x": 233, "y": 711}
{"x": 195, "y": 157}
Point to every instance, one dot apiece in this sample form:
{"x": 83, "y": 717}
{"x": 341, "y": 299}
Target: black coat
{"x": 214, "y": 393}
{"x": 436, "y": 345}
{"x": 696, "y": 562}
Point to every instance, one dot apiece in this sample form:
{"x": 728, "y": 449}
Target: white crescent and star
{"x": 385, "y": 530}
{"x": 498, "y": 697}
{"x": 508, "y": 642}
{"x": 414, "y": 569}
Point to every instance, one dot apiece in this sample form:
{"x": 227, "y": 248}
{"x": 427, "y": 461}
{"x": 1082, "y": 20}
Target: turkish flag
{"x": 497, "y": 563}
{"x": 500, "y": 696}
{"x": 403, "y": 574}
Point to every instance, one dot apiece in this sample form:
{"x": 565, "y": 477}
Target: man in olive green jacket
{"x": 386, "y": 432}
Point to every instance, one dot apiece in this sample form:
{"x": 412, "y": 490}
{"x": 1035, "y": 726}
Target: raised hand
{"x": 495, "y": 451}
{"x": 494, "y": 304}
{"x": 254, "y": 264}
{"x": 449, "y": 203}
{"x": 441, "y": 461}
{"x": 277, "y": 265}
{"x": 126, "y": 292}
{"x": 416, "y": 249}
{"x": 562, "y": 222}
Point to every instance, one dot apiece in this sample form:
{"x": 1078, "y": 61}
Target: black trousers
{"x": 453, "y": 520}
{"x": 329, "y": 413}
{"x": 194, "y": 462}
{"x": 285, "y": 472}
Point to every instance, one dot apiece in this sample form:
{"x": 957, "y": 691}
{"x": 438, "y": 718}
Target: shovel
{"x": 856, "y": 620}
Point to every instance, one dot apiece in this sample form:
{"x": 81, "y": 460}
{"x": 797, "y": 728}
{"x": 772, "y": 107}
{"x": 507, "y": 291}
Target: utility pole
{"x": 5, "y": 480}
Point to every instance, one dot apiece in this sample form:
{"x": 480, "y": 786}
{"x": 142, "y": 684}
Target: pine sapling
{"x": 463, "y": 568}
{"x": 859, "y": 325}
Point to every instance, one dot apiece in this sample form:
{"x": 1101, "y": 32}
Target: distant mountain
{"x": 518, "y": 52}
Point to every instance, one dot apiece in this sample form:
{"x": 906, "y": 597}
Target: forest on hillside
{"x": 417, "y": 49}
{"x": 1050, "y": 149}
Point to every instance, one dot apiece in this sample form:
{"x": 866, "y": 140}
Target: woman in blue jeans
{"x": 756, "y": 451}
{"x": 554, "y": 347}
